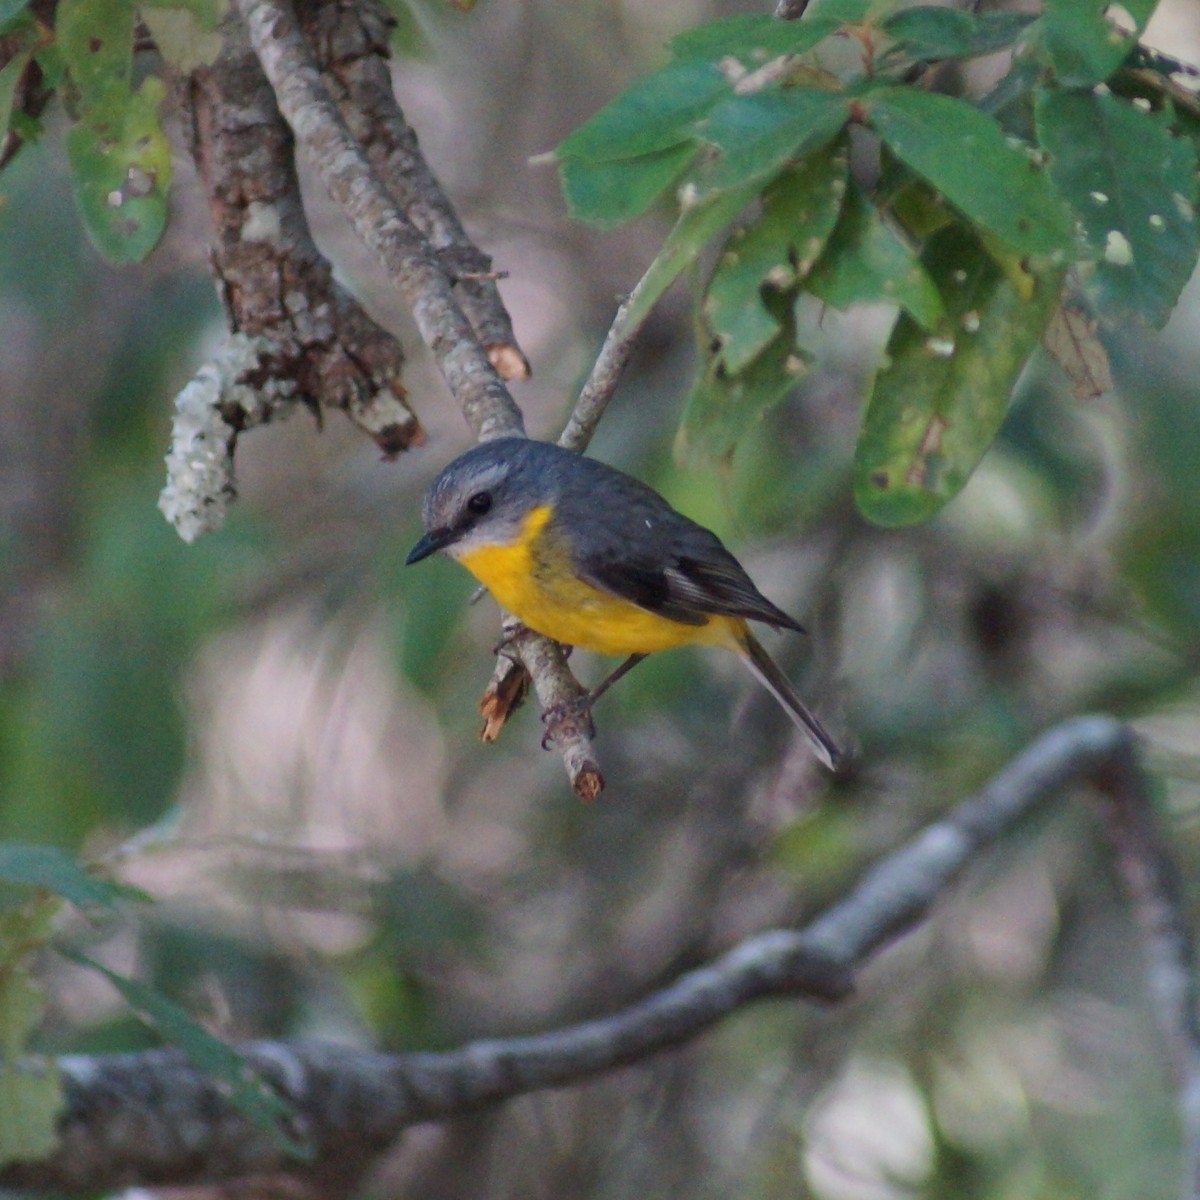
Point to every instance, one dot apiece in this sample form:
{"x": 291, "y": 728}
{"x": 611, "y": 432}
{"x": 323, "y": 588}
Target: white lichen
{"x": 200, "y": 483}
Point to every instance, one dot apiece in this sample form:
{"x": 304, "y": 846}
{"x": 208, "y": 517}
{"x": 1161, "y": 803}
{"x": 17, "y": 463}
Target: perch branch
{"x": 153, "y": 1119}
{"x": 417, "y": 272}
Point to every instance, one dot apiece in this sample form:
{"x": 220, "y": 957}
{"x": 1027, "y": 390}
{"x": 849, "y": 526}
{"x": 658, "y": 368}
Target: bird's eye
{"x": 480, "y": 503}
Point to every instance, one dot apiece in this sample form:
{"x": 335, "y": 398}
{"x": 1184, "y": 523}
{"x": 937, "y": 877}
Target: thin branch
{"x": 606, "y": 372}
{"x": 152, "y": 1118}
{"x": 351, "y": 44}
{"x": 296, "y": 335}
{"x": 405, "y": 255}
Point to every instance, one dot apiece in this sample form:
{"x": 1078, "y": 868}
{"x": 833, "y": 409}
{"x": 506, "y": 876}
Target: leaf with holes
{"x": 992, "y": 180}
{"x": 1133, "y": 185}
{"x": 96, "y": 41}
{"x": 121, "y": 170}
{"x": 698, "y": 224}
{"x": 774, "y": 251}
{"x": 721, "y": 407}
{"x": 938, "y": 403}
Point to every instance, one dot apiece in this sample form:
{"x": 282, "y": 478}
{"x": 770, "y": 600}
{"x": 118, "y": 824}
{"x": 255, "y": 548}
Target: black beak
{"x": 431, "y": 543}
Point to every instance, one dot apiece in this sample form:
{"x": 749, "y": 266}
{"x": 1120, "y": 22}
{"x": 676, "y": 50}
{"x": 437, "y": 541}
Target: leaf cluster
{"x": 854, "y": 182}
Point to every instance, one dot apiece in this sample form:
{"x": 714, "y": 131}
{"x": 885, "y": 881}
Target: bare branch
{"x": 602, "y": 381}
{"x": 154, "y": 1119}
{"x": 406, "y": 256}
{"x": 351, "y": 44}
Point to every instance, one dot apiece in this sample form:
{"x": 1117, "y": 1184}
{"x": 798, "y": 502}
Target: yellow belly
{"x": 533, "y": 579}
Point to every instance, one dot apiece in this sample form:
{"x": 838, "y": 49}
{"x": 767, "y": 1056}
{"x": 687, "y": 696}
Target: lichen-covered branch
{"x": 298, "y": 336}
{"x": 152, "y": 1118}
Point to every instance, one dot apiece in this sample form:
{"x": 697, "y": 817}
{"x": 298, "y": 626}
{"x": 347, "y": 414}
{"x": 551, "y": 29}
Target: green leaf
{"x": 1084, "y": 44}
{"x": 245, "y": 1091}
{"x": 31, "y": 1093}
{"x": 929, "y": 33}
{"x": 96, "y": 40}
{"x": 183, "y": 37}
{"x": 120, "y": 158}
{"x": 774, "y": 251}
{"x": 757, "y": 134}
{"x": 655, "y": 114}
{"x": 10, "y": 76}
{"x": 10, "y": 10}
{"x": 721, "y": 407}
{"x": 121, "y": 169}
{"x": 868, "y": 262}
{"x": 938, "y": 403}
{"x": 696, "y": 226}
{"x": 53, "y": 870}
{"x": 844, "y": 12}
{"x": 965, "y": 154}
{"x": 1133, "y": 186}
{"x": 752, "y": 38}
{"x": 607, "y": 193}
{"x": 207, "y": 13}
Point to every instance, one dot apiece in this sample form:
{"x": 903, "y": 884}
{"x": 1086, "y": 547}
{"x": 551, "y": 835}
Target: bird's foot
{"x": 568, "y": 719}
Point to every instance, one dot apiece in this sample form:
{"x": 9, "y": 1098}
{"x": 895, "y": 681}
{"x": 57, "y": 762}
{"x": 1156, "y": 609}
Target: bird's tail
{"x": 763, "y": 668}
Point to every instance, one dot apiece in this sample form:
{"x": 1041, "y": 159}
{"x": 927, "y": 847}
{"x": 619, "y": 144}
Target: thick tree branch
{"x": 298, "y": 336}
{"x": 153, "y": 1119}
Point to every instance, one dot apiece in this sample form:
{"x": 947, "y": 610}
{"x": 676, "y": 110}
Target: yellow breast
{"x": 533, "y": 578}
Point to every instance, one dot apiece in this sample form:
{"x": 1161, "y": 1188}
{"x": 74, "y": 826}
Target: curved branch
{"x": 153, "y": 1118}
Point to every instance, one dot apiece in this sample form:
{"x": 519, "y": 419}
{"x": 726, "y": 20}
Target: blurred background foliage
{"x": 276, "y": 727}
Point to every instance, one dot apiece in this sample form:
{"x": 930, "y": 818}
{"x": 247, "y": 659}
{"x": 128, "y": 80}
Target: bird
{"x": 588, "y": 556}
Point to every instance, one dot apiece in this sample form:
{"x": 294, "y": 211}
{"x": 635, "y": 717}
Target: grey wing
{"x": 639, "y": 548}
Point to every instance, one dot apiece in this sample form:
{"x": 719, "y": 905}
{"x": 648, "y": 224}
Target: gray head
{"x": 483, "y": 497}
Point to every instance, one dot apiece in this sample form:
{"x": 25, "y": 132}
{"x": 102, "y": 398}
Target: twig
{"x": 152, "y": 1118}
{"x": 605, "y": 374}
{"x": 351, "y": 44}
